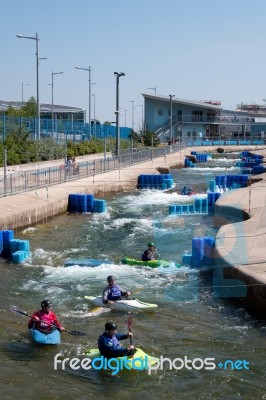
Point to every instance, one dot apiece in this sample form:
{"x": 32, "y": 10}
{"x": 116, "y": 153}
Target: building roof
{"x": 4, "y": 105}
{"x": 182, "y": 101}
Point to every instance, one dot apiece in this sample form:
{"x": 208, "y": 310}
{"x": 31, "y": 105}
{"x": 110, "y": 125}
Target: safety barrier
{"x": 85, "y": 203}
{"x": 200, "y": 206}
{"x": 161, "y": 182}
{"x": 251, "y": 164}
{"x": 189, "y": 164}
{"x": 18, "y": 250}
{"x": 202, "y": 253}
{"x": 231, "y": 181}
{"x": 201, "y": 157}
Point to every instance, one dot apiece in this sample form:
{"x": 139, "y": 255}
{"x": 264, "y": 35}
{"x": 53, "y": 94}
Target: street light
{"x": 94, "y": 122}
{"x": 22, "y": 91}
{"x": 89, "y": 70}
{"x": 132, "y": 102}
{"x": 54, "y": 73}
{"x": 171, "y": 117}
{"x": 126, "y": 117}
{"x": 153, "y": 89}
{"x": 142, "y": 117}
{"x": 117, "y": 112}
{"x": 36, "y": 38}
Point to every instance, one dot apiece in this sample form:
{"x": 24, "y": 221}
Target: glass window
{"x": 160, "y": 111}
{"x": 197, "y": 116}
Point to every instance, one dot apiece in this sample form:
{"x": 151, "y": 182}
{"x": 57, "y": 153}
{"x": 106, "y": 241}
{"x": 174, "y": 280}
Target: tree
{"x": 29, "y": 109}
{"x": 150, "y": 138}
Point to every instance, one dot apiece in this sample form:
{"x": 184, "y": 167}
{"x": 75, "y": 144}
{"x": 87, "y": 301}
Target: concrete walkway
{"x": 240, "y": 247}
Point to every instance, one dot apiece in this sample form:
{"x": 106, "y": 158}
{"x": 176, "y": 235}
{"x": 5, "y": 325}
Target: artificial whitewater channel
{"x": 189, "y": 321}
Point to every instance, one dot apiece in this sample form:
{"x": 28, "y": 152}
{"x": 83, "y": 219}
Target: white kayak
{"x": 124, "y": 305}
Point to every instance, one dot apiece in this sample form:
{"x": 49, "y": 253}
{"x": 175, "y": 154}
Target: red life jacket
{"x": 45, "y": 323}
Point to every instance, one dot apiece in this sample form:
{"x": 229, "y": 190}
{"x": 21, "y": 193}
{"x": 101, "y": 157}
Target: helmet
{"x": 110, "y": 278}
{"x": 45, "y": 303}
{"x": 110, "y": 325}
{"x": 151, "y": 244}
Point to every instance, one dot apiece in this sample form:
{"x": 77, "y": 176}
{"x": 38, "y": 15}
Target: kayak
{"x": 151, "y": 263}
{"x": 123, "y": 305}
{"x": 140, "y": 360}
{"x": 86, "y": 262}
{"x": 45, "y": 338}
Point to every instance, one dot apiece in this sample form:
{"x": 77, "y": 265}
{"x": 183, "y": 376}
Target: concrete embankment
{"x": 241, "y": 246}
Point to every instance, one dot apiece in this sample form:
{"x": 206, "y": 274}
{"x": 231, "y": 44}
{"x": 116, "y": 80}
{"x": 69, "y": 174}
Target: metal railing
{"x": 18, "y": 182}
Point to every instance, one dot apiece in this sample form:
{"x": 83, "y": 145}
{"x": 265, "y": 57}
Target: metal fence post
{"x": 5, "y": 165}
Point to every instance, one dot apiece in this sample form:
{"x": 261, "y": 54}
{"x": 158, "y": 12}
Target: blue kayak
{"x": 46, "y": 338}
{"x": 86, "y": 262}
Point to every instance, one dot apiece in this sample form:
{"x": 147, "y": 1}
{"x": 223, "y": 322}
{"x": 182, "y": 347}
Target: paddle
{"x": 134, "y": 291}
{"x": 18, "y": 310}
{"x": 129, "y": 324}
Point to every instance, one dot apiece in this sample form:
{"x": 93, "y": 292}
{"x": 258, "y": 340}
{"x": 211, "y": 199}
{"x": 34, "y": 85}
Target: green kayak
{"x": 139, "y": 361}
{"x": 152, "y": 263}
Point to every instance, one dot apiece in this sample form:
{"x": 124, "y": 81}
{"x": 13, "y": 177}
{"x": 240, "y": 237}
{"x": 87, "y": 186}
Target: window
{"x": 160, "y": 111}
{"x": 196, "y": 116}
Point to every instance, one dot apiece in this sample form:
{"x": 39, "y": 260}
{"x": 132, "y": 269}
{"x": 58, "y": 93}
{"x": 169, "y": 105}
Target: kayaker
{"x": 184, "y": 191}
{"x": 113, "y": 292}
{"x": 108, "y": 342}
{"x": 44, "y": 319}
{"x": 151, "y": 253}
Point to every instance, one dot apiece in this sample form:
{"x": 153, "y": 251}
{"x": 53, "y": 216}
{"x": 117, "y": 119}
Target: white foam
{"x": 29, "y": 230}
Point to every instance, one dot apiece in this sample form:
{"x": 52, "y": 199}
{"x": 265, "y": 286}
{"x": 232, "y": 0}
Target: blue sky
{"x": 194, "y": 49}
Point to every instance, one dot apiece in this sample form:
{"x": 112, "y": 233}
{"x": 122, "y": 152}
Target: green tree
{"x": 29, "y": 109}
{"x": 150, "y": 138}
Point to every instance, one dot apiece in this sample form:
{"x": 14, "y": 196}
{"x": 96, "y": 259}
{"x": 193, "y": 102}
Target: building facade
{"x": 176, "y": 119}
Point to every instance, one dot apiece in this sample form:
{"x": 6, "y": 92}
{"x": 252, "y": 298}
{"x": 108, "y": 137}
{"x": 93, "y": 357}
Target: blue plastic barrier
{"x": 155, "y": 181}
{"x": 197, "y": 252}
{"x": 208, "y": 259}
{"x": 18, "y": 250}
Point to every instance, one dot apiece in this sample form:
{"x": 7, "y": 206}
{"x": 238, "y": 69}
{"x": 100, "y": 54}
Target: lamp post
{"x": 126, "y": 117}
{"x": 22, "y": 91}
{"x": 89, "y": 70}
{"x": 153, "y": 88}
{"x": 142, "y": 117}
{"x": 117, "y": 112}
{"x": 93, "y": 95}
{"x": 54, "y": 73}
{"x": 94, "y": 119}
{"x": 36, "y": 38}
{"x": 132, "y": 102}
{"x": 171, "y": 117}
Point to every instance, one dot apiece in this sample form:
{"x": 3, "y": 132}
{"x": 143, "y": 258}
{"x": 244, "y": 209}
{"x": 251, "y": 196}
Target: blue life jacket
{"x": 109, "y": 346}
{"x": 115, "y": 293}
